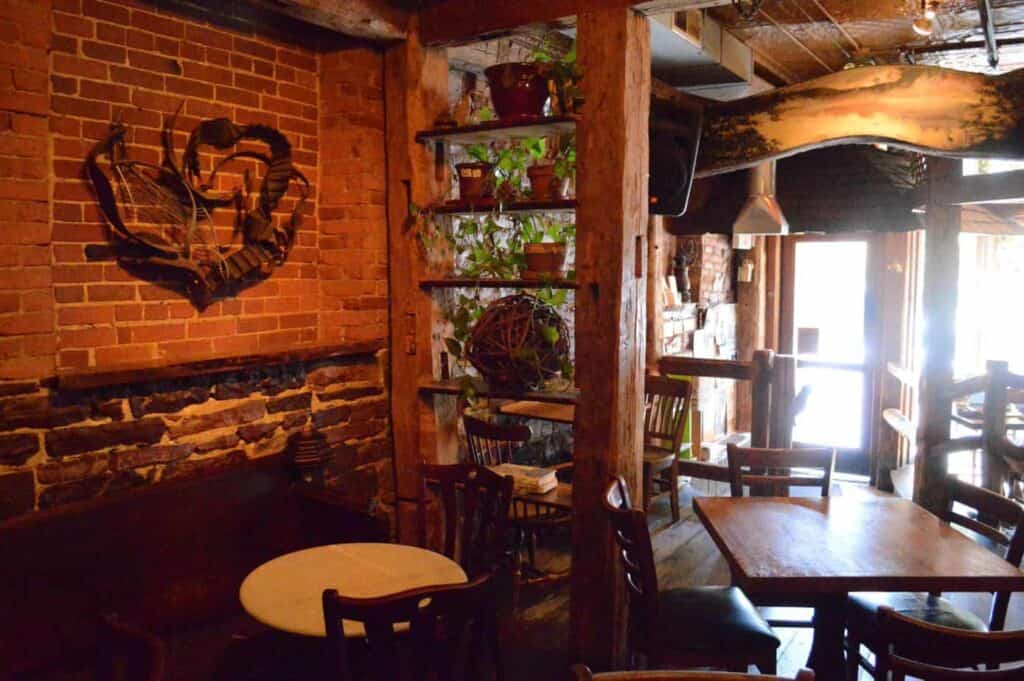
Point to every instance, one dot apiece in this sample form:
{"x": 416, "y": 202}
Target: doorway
{"x": 824, "y": 322}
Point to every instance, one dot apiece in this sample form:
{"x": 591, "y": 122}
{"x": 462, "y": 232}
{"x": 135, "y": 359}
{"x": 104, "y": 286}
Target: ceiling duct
{"x": 690, "y": 49}
{"x": 761, "y": 214}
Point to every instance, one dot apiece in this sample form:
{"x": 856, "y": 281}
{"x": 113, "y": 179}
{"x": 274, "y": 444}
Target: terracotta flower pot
{"x": 543, "y": 184}
{"x": 544, "y": 260}
{"x": 474, "y": 180}
{"x": 517, "y": 89}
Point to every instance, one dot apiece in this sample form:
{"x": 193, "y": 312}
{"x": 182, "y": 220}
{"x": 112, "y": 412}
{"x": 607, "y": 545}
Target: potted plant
{"x": 518, "y": 89}
{"x": 544, "y": 247}
{"x": 554, "y": 163}
{"x": 563, "y": 77}
{"x": 476, "y": 176}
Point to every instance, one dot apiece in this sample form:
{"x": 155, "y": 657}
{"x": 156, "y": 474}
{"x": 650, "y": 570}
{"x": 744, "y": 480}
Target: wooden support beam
{"x": 416, "y": 92}
{"x": 658, "y": 256}
{"x": 370, "y": 19}
{"x": 612, "y": 143}
{"x": 921, "y": 108}
{"x": 939, "y": 297}
{"x": 966, "y": 190}
{"x": 454, "y": 22}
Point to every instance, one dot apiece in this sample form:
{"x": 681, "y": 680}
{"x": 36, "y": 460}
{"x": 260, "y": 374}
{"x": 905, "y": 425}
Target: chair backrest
{"x": 582, "y": 673}
{"x": 993, "y": 511}
{"x": 633, "y": 539}
{"x": 447, "y": 625}
{"x": 667, "y": 402}
{"x": 127, "y": 653}
{"x": 912, "y": 647}
{"x": 769, "y": 470}
{"x": 491, "y": 444}
{"x": 474, "y": 504}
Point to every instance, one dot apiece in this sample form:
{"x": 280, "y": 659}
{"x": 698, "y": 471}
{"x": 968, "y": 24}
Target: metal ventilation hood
{"x": 761, "y": 214}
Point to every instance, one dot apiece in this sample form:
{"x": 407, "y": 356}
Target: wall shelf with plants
{"x": 499, "y": 251}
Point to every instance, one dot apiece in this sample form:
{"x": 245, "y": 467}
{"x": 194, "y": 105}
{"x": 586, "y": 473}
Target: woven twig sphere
{"x": 511, "y": 344}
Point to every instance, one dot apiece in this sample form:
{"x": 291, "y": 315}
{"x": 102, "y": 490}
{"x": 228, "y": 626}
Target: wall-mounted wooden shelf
{"x": 490, "y": 206}
{"x": 455, "y": 282}
{"x": 528, "y": 126}
{"x": 454, "y": 387}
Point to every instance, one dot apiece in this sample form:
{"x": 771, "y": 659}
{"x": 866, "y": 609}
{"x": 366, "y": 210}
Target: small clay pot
{"x": 517, "y": 89}
{"x": 544, "y": 186}
{"x": 544, "y": 260}
{"x": 474, "y": 180}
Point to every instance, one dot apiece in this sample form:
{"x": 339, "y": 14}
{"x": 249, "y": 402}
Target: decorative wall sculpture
{"x": 161, "y": 216}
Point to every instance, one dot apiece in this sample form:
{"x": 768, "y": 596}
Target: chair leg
{"x": 673, "y": 486}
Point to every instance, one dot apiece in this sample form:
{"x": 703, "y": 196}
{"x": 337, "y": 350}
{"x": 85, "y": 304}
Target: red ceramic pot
{"x": 474, "y": 180}
{"x": 517, "y": 89}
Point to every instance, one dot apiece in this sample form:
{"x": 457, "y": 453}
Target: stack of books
{"x": 528, "y": 479}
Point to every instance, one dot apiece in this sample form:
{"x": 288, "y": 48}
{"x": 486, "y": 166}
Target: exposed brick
{"x": 289, "y": 403}
{"x": 224, "y": 441}
{"x": 77, "y": 439}
{"x": 196, "y": 467}
{"x": 352, "y": 392}
{"x": 246, "y": 412}
{"x": 72, "y": 468}
{"x": 16, "y": 449}
{"x": 170, "y": 402}
{"x": 331, "y": 416}
{"x": 254, "y": 432}
{"x": 147, "y": 456}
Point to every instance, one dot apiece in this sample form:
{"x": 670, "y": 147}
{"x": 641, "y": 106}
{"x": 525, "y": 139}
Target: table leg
{"x": 827, "y": 657}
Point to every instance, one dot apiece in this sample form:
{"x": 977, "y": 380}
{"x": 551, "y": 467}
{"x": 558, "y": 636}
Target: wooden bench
{"x": 167, "y": 556}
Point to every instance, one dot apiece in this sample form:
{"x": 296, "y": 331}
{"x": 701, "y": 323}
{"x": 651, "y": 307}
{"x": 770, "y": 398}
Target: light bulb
{"x": 930, "y": 10}
{"x": 923, "y": 26}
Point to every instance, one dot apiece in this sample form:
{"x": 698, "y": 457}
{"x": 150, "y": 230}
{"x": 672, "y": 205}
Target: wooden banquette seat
{"x": 166, "y": 556}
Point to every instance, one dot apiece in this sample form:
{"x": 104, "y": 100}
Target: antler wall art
{"x": 161, "y": 216}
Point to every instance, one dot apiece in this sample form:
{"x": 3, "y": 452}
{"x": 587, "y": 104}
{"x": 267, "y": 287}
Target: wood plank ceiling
{"x": 799, "y": 40}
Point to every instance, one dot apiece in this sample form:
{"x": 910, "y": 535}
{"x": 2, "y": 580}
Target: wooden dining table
{"x": 815, "y": 551}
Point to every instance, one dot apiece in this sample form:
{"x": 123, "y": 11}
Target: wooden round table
{"x": 285, "y": 593}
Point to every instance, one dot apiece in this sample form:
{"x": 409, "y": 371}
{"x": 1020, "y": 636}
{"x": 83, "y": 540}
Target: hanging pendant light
{"x": 924, "y": 25}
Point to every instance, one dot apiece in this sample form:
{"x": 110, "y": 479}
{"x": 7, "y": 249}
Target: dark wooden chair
{"x": 491, "y": 444}
{"x": 930, "y": 652}
{"x": 667, "y": 404}
{"x": 582, "y": 673}
{"x": 696, "y": 627}
{"x": 863, "y": 608}
{"x": 126, "y": 652}
{"x": 449, "y": 630}
{"x": 769, "y": 471}
{"x": 474, "y": 505}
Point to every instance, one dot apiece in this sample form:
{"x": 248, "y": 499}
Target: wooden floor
{"x": 686, "y": 556}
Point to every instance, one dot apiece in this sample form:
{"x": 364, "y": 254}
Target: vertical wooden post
{"x": 761, "y": 397}
{"x": 657, "y": 269}
{"x": 939, "y": 298}
{"x": 993, "y": 467}
{"x": 751, "y": 299}
{"x": 416, "y": 92}
{"x": 780, "y": 435}
{"x": 614, "y": 51}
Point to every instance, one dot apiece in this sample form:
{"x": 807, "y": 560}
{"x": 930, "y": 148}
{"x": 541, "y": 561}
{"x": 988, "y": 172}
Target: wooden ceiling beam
{"x": 995, "y": 188}
{"x": 454, "y": 22}
{"x": 377, "y": 20}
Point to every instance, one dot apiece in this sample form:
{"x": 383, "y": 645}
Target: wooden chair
{"x": 128, "y": 653}
{"x": 863, "y": 608}
{"x": 491, "y": 444}
{"x": 930, "y": 652}
{"x": 582, "y": 673}
{"x": 667, "y": 405}
{"x": 696, "y": 627}
{"x": 475, "y": 503}
{"x": 449, "y": 630}
{"x": 769, "y": 471}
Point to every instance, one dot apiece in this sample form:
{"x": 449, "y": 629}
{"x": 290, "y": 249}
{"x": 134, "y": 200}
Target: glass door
{"x": 824, "y": 325}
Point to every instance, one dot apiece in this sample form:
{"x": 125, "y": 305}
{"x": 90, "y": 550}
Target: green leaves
{"x": 550, "y": 334}
{"x": 454, "y": 347}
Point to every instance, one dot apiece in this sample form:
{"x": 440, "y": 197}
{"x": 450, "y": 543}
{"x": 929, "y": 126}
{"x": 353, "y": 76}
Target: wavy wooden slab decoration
{"x": 924, "y": 108}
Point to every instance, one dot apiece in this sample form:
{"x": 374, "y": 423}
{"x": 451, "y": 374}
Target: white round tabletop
{"x": 286, "y": 593}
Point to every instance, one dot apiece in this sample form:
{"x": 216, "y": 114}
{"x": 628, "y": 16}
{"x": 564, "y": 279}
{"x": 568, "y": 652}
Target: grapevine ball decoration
{"x": 518, "y": 343}
{"x": 161, "y": 216}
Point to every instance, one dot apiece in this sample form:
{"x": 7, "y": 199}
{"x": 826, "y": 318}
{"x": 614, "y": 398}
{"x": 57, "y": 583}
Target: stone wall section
{"x": 61, "y": 447}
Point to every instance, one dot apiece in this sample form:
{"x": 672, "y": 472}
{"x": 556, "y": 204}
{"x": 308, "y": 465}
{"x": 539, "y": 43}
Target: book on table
{"x": 528, "y": 479}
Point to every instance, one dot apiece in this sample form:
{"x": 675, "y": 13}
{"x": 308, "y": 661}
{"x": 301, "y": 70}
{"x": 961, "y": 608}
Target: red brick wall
{"x": 353, "y": 247}
{"x": 69, "y": 67}
{"x": 27, "y": 342}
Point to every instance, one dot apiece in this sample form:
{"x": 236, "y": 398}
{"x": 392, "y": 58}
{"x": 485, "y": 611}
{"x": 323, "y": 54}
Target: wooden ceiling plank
{"x": 377, "y": 20}
{"x": 454, "y": 22}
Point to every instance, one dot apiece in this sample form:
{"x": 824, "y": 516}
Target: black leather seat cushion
{"x": 863, "y": 610}
{"x": 713, "y": 619}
